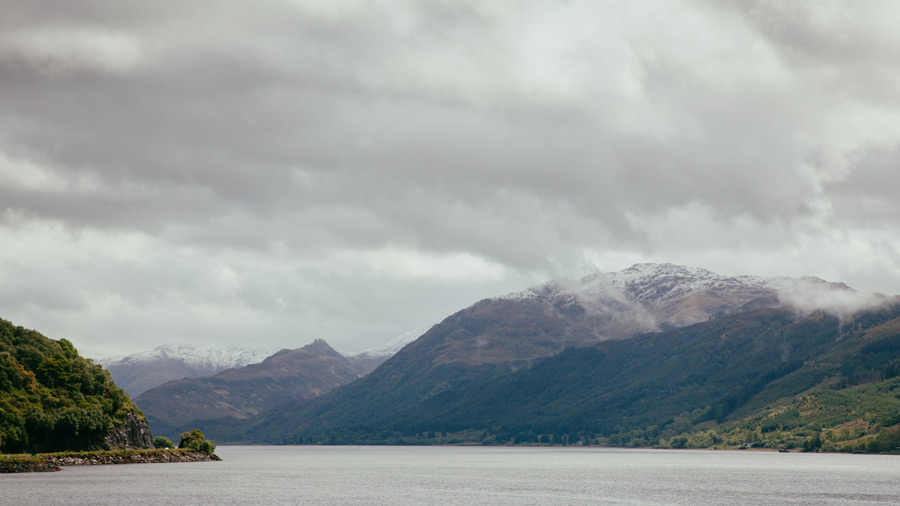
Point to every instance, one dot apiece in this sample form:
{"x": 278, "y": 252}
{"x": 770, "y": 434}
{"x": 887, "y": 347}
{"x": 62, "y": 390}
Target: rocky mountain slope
{"x": 51, "y": 399}
{"x": 243, "y": 392}
{"x": 543, "y": 320}
{"x": 139, "y": 372}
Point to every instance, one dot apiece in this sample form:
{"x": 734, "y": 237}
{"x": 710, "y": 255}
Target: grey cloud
{"x": 868, "y": 197}
{"x": 272, "y": 140}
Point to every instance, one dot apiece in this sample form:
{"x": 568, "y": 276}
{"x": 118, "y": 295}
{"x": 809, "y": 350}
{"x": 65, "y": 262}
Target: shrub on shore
{"x": 196, "y": 441}
{"x": 163, "y": 442}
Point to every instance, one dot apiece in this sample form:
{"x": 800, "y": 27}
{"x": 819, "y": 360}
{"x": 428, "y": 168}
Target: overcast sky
{"x": 266, "y": 173}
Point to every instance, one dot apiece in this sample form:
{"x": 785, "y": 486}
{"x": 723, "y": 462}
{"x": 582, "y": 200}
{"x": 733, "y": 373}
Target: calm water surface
{"x": 471, "y": 475}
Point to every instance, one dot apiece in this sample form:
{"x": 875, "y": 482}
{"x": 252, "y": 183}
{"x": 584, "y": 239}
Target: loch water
{"x": 403, "y": 475}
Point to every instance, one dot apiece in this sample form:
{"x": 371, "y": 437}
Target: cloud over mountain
{"x": 307, "y": 169}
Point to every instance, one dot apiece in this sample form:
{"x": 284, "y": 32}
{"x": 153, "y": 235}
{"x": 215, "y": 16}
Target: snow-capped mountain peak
{"x": 196, "y": 356}
{"x": 138, "y": 372}
{"x": 674, "y": 295}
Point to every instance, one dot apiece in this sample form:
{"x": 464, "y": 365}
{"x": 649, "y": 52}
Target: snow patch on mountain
{"x": 391, "y": 348}
{"x": 664, "y": 295}
{"x": 217, "y": 359}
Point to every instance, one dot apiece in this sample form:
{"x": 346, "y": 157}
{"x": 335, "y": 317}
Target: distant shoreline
{"x": 50, "y": 462}
{"x": 573, "y": 447}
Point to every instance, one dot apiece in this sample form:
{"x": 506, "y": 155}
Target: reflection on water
{"x": 354, "y": 475}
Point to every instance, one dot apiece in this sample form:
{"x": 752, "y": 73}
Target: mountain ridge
{"x": 223, "y": 358}
{"x": 637, "y": 392}
{"x": 140, "y": 371}
{"x": 675, "y": 296}
{"x": 505, "y": 335}
{"x": 243, "y": 392}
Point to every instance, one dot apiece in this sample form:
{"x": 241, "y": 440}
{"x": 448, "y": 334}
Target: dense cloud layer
{"x": 274, "y": 172}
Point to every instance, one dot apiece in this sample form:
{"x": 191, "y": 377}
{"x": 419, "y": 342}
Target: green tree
{"x": 54, "y": 371}
{"x": 163, "y": 442}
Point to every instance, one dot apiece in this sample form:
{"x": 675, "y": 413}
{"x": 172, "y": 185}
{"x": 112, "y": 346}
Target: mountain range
{"x": 656, "y": 354}
{"x": 656, "y": 347}
{"x": 242, "y": 392}
{"x": 138, "y": 372}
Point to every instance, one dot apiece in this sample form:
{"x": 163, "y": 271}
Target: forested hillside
{"x": 51, "y": 399}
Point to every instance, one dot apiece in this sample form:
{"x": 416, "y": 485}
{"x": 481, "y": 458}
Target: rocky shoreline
{"x": 53, "y": 462}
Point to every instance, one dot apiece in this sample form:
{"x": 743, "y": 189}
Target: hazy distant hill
{"x": 366, "y": 361}
{"x": 139, "y": 372}
{"x": 486, "y": 370}
{"x": 242, "y": 392}
{"x": 51, "y": 399}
